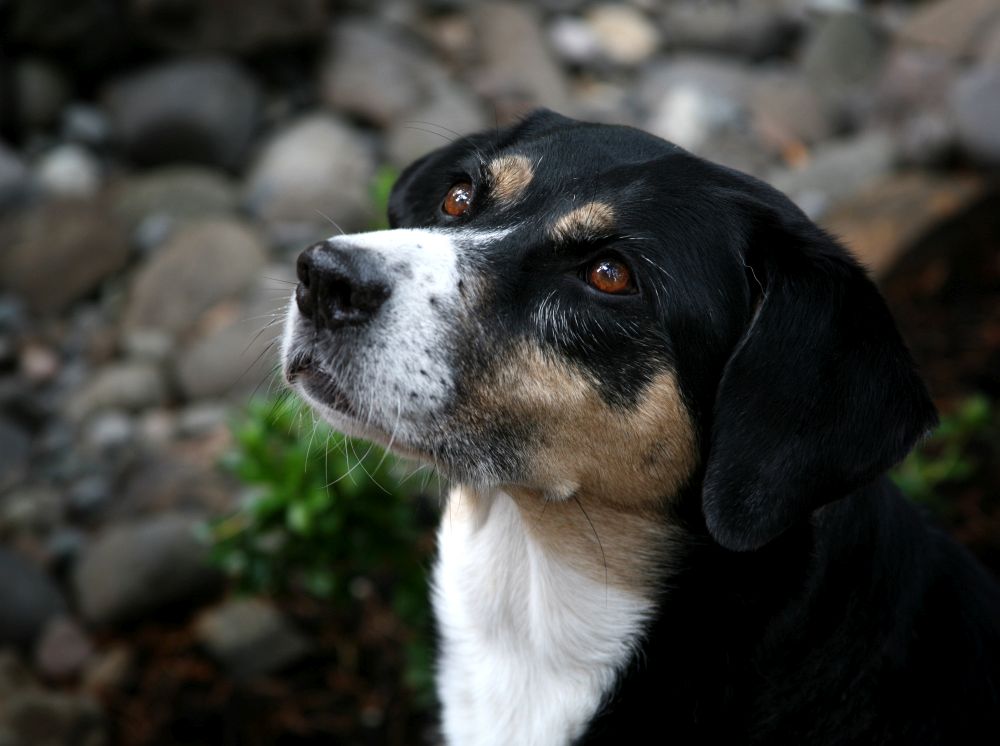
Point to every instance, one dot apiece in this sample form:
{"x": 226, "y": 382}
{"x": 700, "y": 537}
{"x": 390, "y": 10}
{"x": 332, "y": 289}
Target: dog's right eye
{"x": 458, "y": 200}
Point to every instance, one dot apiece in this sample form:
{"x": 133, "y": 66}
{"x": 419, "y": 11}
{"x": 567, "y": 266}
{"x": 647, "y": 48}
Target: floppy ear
{"x": 820, "y": 394}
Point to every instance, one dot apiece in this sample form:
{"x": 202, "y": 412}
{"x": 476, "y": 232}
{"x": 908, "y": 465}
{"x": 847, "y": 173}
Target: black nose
{"x": 339, "y": 286}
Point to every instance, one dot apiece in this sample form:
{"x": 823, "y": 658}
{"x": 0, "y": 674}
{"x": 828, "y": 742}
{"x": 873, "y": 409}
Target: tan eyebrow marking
{"x": 587, "y": 221}
{"x": 510, "y": 175}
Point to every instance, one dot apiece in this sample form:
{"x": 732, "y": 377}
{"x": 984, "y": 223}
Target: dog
{"x": 667, "y": 401}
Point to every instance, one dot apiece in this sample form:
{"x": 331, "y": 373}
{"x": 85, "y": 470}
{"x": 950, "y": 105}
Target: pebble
{"x": 134, "y": 570}
{"x": 13, "y": 177}
{"x": 203, "y": 263}
{"x": 63, "y": 650}
{"x": 199, "y": 110}
{"x": 313, "y": 172}
{"x": 975, "y": 107}
{"x": 250, "y": 637}
{"x": 62, "y": 234}
{"x": 28, "y": 598}
{"x": 15, "y": 452}
{"x": 624, "y": 34}
{"x": 68, "y": 170}
{"x": 127, "y": 385}
{"x": 41, "y": 93}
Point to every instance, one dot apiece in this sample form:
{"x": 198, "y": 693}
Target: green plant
{"x": 946, "y": 458}
{"x": 322, "y": 512}
{"x": 381, "y": 188}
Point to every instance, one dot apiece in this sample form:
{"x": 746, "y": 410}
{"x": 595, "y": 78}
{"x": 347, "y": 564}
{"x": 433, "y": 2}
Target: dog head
{"x": 574, "y": 308}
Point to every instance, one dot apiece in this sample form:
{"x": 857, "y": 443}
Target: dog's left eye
{"x": 458, "y": 200}
{"x": 610, "y": 276}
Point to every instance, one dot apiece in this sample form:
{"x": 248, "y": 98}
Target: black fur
{"x": 812, "y": 604}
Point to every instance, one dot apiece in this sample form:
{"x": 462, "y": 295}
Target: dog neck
{"x": 540, "y": 606}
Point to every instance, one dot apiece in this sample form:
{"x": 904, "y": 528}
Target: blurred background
{"x": 186, "y": 557}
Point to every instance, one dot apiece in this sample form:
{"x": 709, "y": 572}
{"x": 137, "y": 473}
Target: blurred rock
{"x": 109, "y": 430}
{"x": 194, "y": 110}
{"x": 953, "y": 27}
{"x": 62, "y": 650}
{"x": 174, "y": 194}
{"x": 129, "y": 385}
{"x": 79, "y": 237}
{"x": 881, "y": 222}
{"x": 232, "y": 359}
{"x": 449, "y": 112}
{"x": 574, "y": 40}
{"x": 624, "y": 34}
{"x": 975, "y": 107}
{"x": 315, "y": 170}
{"x": 107, "y": 671}
{"x": 245, "y": 26}
{"x": 41, "y": 93}
{"x": 13, "y": 177}
{"x": 844, "y": 55}
{"x": 989, "y": 50}
{"x": 203, "y": 263}
{"x": 15, "y": 451}
{"x": 45, "y": 718}
{"x": 757, "y": 31}
{"x": 68, "y": 171}
{"x": 31, "y": 509}
{"x": 914, "y": 80}
{"x": 250, "y": 637}
{"x": 787, "y": 111}
{"x": 198, "y": 420}
{"x": 28, "y": 599}
{"x": 133, "y": 570}
{"x": 926, "y": 140}
{"x": 692, "y": 99}
{"x": 186, "y": 482}
{"x": 837, "y": 170}
{"x": 87, "y": 124}
{"x": 375, "y": 72}
{"x": 518, "y": 70}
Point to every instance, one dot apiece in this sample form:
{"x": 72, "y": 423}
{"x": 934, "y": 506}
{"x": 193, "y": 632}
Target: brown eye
{"x": 610, "y": 276}
{"x": 458, "y": 200}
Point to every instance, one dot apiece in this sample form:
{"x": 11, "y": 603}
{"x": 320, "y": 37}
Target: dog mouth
{"x": 304, "y": 373}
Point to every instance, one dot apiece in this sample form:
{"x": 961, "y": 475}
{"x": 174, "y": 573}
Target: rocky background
{"x": 162, "y": 162}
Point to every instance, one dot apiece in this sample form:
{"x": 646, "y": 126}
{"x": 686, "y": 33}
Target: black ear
{"x": 819, "y": 396}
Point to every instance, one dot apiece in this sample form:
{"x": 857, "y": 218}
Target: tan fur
{"x": 588, "y": 221}
{"x": 510, "y": 176}
{"x": 593, "y": 461}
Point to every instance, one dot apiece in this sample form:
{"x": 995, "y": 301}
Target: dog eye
{"x": 610, "y": 276}
{"x": 458, "y": 200}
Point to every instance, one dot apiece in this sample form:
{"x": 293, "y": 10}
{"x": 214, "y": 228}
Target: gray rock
{"x": 197, "y": 110}
{"x": 43, "y": 718}
{"x": 13, "y": 177}
{"x": 375, "y": 72}
{"x": 28, "y": 599}
{"x": 250, "y": 637}
{"x": 837, "y": 170}
{"x": 315, "y": 167}
{"x": 953, "y": 27}
{"x": 247, "y": 26}
{"x": 201, "y": 419}
{"x": 41, "y": 93}
{"x": 130, "y": 386}
{"x": 136, "y": 569}
{"x": 108, "y": 431}
{"x": 87, "y": 124}
{"x": 518, "y": 69}
{"x": 230, "y": 360}
{"x": 68, "y": 171}
{"x": 447, "y": 106}
{"x": 203, "y": 263}
{"x": 78, "y": 237}
{"x": 174, "y": 194}
{"x": 62, "y": 650}
{"x": 844, "y": 55}
{"x": 624, "y": 34}
{"x": 15, "y": 451}
{"x": 754, "y": 31}
{"x": 32, "y": 509}
{"x": 975, "y": 107}
{"x": 693, "y": 99}
{"x": 787, "y": 110}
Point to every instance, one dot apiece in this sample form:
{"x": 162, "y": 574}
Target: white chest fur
{"x": 529, "y": 645}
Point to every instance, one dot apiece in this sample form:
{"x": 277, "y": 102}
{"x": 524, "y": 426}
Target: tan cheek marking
{"x": 596, "y": 462}
{"x": 510, "y": 177}
{"x": 586, "y": 221}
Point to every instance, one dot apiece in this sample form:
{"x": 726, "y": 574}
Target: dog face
{"x": 567, "y": 308}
